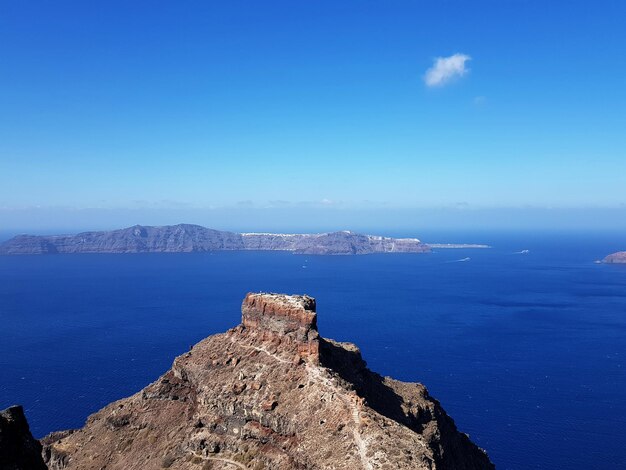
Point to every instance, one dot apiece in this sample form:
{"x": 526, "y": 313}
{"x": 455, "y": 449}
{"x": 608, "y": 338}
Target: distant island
{"x": 457, "y": 245}
{"x": 616, "y": 258}
{"x": 183, "y": 238}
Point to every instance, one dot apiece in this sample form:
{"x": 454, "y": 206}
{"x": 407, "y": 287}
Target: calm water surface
{"x": 526, "y": 352}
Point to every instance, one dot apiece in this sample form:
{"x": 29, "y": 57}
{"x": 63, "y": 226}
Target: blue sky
{"x": 170, "y": 111}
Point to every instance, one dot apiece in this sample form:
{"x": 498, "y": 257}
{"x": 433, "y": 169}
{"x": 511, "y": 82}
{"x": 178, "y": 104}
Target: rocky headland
{"x": 269, "y": 394}
{"x": 195, "y": 238}
{"x": 616, "y": 258}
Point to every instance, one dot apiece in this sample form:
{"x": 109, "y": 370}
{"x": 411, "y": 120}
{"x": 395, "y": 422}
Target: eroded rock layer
{"x": 270, "y": 394}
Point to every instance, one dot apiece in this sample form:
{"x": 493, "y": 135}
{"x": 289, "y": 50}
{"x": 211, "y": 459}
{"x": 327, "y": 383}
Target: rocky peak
{"x": 270, "y": 394}
{"x": 289, "y": 321}
{"x": 283, "y": 314}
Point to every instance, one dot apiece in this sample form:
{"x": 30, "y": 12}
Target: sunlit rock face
{"x": 288, "y": 320}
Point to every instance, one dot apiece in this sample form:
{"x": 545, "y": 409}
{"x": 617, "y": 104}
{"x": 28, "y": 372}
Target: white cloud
{"x": 445, "y": 69}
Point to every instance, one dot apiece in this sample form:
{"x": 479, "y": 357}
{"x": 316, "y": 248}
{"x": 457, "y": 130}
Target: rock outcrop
{"x": 288, "y": 321}
{"x": 19, "y": 450}
{"x": 270, "y": 394}
{"x": 616, "y": 258}
{"x": 194, "y": 238}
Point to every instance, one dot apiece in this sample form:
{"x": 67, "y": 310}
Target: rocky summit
{"x": 269, "y": 394}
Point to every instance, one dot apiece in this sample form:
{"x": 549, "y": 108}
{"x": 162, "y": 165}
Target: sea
{"x": 526, "y": 350}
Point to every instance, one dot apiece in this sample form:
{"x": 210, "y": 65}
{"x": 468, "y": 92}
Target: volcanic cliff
{"x": 269, "y": 394}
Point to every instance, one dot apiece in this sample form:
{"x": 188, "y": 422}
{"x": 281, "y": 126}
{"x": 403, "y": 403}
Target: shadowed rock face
{"x": 616, "y": 258}
{"x": 19, "y": 450}
{"x": 270, "y": 394}
{"x": 194, "y": 238}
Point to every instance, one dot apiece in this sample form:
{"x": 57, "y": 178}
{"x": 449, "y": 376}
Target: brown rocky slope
{"x": 270, "y": 394}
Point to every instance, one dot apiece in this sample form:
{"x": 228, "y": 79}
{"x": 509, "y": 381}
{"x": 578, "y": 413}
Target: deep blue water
{"x": 526, "y": 352}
